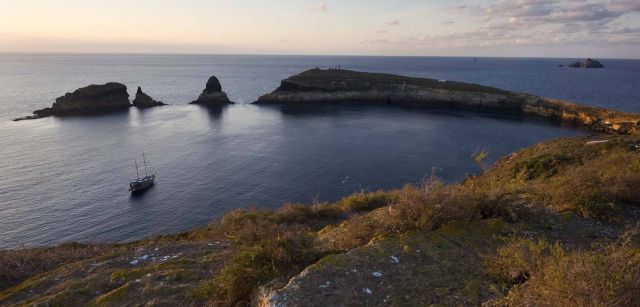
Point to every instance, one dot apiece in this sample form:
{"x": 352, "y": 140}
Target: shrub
{"x": 547, "y": 275}
{"x": 280, "y": 251}
{"x": 545, "y": 165}
{"x": 363, "y": 201}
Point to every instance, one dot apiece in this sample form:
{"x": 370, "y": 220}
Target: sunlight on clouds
{"x": 408, "y": 27}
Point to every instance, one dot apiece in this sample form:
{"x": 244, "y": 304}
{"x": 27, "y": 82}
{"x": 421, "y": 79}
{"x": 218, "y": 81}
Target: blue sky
{"x": 539, "y": 28}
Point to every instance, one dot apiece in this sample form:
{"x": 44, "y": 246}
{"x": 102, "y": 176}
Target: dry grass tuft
{"x": 544, "y": 274}
{"x": 22, "y": 264}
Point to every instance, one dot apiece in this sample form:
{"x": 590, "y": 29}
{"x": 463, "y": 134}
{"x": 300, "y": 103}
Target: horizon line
{"x": 298, "y": 55}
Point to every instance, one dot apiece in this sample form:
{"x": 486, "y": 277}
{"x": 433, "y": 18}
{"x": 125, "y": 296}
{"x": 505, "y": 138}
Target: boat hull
{"x": 141, "y": 184}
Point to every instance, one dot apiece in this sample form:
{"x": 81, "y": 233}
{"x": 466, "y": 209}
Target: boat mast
{"x": 144, "y": 161}
{"x": 137, "y": 174}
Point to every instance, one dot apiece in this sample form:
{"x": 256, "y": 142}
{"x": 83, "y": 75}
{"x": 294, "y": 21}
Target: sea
{"x": 66, "y": 179}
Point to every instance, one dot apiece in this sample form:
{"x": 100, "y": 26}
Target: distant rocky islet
{"x": 143, "y": 100}
{"x": 588, "y": 63}
{"x": 212, "y": 95}
{"x": 346, "y": 86}
{"x": 113, "y": 97}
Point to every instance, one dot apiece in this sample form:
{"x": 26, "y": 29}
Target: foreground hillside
{"x": 552, "y": 224}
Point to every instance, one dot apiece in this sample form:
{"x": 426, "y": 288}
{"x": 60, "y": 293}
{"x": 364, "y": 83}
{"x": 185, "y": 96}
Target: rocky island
{"x": 89, "y": 100}
{"x": 346, "y": 86}
{"x": 588, "y": 63}
{"x": 143, "y": 100}
{"x": 212, "y": 95}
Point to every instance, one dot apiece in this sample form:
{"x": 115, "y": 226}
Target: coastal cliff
{"x": 92, "y": 99}
{"x": 345, "y": 86}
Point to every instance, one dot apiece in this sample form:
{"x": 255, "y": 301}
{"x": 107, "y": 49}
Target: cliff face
{"x": 344, "y": 86}
{"x": 92, "y": 99}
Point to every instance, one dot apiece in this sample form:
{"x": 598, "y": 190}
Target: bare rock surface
{"x": 143, "y": 100}
{"x": 212, "y": 95}
{"x": 89, "y": 100}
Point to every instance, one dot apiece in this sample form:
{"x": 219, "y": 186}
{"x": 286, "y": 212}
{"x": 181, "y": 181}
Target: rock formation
{"x": 589, "y": 63}
{"x": 143, "y": 100}
{"x": 212, "y": 94}
{"x": 93, "y": 99}
{"x": 344, "y": 86}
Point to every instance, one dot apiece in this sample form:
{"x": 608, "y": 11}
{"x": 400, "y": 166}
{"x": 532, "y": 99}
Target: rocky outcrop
{"x": 344, "y": 86}
{"x": 93, "y": 99}
{"x": 212, "y": 94}
{"x": 143, "y": 100}
{"x": 589, "y": 63}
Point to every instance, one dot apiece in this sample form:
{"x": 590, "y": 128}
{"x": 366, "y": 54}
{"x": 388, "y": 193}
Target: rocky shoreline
{"x": 345, "y": 86}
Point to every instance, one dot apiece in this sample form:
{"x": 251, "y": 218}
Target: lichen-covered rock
{"x": 212, "y": 94}
{"x": 588, "y": 63}
{"x": 92, "y": 99}
{"x": 414, "y": 269}
{"x": 143, "y": 100}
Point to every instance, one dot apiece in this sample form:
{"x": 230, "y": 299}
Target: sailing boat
{"x": 141, "y": 184}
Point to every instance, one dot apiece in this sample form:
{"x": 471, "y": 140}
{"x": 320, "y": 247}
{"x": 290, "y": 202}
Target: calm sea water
{"x": 64, "y": 179}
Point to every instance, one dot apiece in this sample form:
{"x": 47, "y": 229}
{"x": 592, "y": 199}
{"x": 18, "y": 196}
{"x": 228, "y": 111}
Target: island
{"x": 143, "y": 100}
{"x": 353, "y": 87}
{"x": 89, "y": 100}
{"x": 588, "y": 63}
{"x": 212, "y": 95}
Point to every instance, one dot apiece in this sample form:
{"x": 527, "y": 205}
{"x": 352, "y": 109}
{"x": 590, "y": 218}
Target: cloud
{"x": 320, "y": 7}
{"x": 533, "y": 22}
{"x": 394, "y": 23}
{"x": 448, "y": 22}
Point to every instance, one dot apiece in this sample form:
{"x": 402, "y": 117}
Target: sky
{"x": 517, "y": 28}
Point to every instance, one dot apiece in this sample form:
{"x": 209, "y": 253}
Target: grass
{"x": 597, "y": 181}
{"x": 567, "y": 175}
{"x": 562, "y": 175}
{"x": 19, "y": 265}
{"x": 545, "y": 274}
{"x": 272, "y": 244}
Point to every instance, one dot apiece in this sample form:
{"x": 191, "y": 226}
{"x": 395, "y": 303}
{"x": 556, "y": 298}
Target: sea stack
{"x": 589, "y": 63}
{"x": 212, "y": 94}
{"x": 143, "y": 100}
{"x": 89, "y": 100}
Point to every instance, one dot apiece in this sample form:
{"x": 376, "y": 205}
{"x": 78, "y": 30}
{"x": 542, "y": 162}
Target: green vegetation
{"x": 537, "y": 228}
